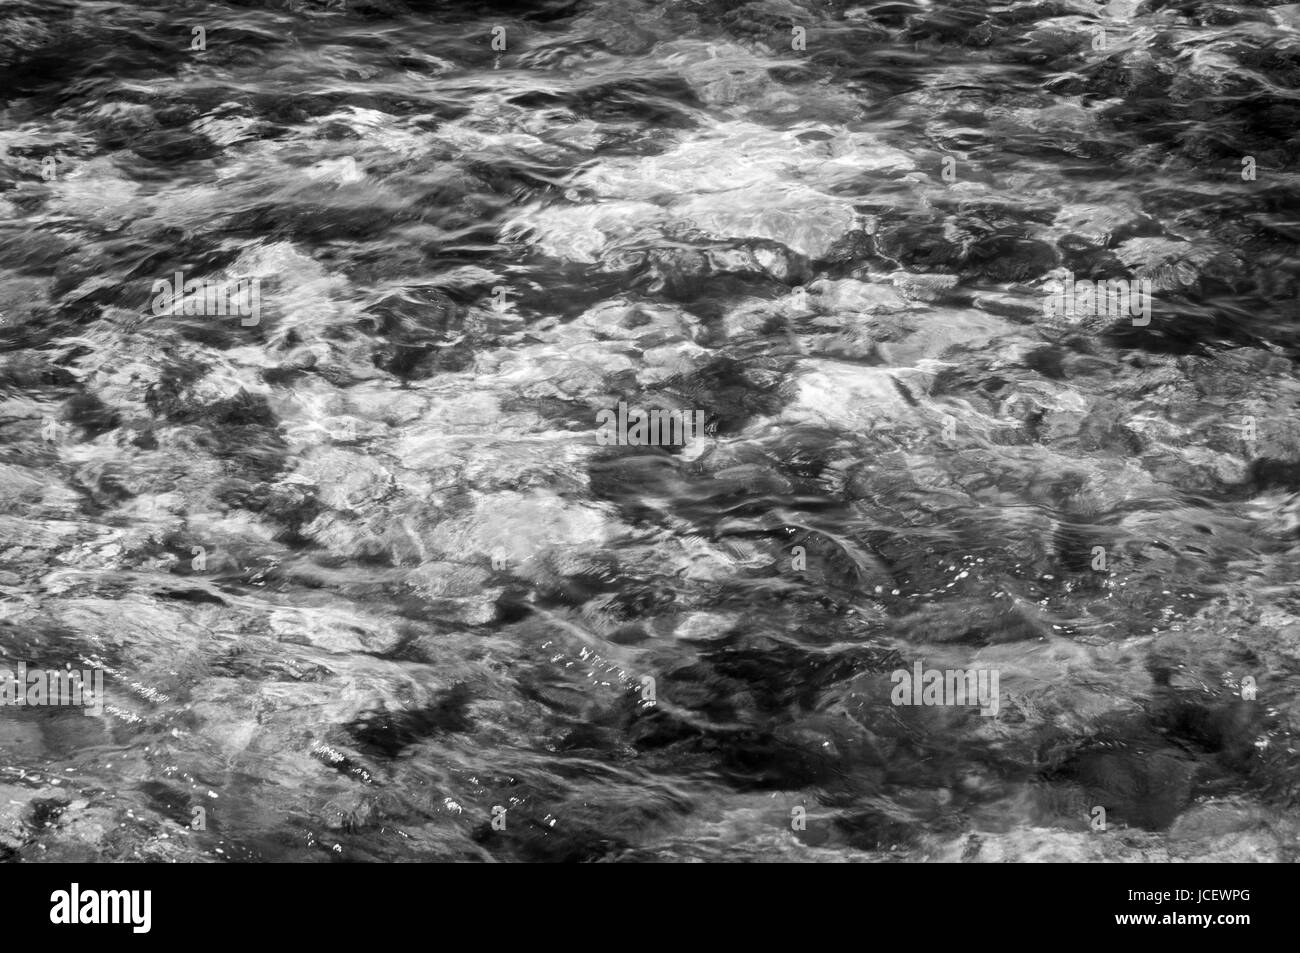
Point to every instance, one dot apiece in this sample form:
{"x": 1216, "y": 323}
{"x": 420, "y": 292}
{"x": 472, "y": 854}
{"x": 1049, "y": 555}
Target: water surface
{"x": 361, "y": 573}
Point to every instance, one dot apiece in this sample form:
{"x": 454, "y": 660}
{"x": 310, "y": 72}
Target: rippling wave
{"x": 341, "y": 350}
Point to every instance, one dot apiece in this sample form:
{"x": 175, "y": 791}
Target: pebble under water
{"x": 380, "y": 570}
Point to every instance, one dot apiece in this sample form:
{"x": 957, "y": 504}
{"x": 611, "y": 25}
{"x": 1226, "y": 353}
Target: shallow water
{"x": 364, "y": 581}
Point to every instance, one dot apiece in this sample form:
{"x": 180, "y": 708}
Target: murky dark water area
{"x": 362, "y": 575}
